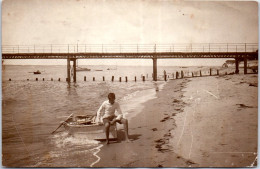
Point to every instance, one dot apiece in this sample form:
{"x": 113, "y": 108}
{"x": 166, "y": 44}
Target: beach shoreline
{"x": 161, "y": 136}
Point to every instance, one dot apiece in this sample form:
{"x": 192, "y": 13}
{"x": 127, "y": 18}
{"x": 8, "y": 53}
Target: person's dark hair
{"x": 111, "y": 95}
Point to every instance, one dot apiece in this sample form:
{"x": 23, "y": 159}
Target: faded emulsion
{"x": 184, "y": 75}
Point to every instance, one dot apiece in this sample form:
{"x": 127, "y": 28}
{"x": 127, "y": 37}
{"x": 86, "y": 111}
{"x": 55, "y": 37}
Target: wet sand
{"x": 195, "y": 122}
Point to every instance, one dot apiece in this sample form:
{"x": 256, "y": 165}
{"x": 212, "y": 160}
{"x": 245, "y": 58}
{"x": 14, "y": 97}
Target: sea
{"x": 32, "y": 109}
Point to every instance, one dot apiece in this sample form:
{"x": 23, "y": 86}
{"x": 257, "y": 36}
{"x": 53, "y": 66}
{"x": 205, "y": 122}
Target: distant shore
{"x": 196, "y": 122}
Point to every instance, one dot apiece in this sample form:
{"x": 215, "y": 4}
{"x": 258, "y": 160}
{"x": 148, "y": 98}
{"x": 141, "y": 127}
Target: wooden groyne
{"x": 170, "y": 76}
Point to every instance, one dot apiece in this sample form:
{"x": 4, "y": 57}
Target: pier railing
{"x": 132, "y": 48}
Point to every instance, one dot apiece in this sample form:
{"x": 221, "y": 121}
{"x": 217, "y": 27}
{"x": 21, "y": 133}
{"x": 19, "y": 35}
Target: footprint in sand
{"x": 244, "y": 106}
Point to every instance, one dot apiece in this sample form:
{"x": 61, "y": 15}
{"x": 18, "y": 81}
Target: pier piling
{"x": 68, "y": 70}
{"x": 94, "y": 78}
{"x": 144, "y": 78}
{"x": 165, "y": 77}
{"x": 74, "y": 71}
{"x": 217, "y": 72}
{"x": 42, "y": 79}
{"x": 10, "y": 79}
{"x": 36, "y": 79}
{"x": 120, "y": 79}
{"x": 155, "y": 68}
{"x": 85, "y": 78}
{"x": 126, "y": 79}
{"x": 210, "y": 71}
{"x": 237, "y": 66}
{"x": 103, "y": 78}
{"x": 182, "y": 74}
{"x": 51, "y": 79}
{"x": 112, "y": 78}
{"x": 245, "y": 65}
{"x": 200, "y": 73}
{"x": 135, "y": 78}
{"x": 27, "y": 79}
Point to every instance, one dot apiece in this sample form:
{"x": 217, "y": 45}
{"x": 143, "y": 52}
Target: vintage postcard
{"x": 135, "y": 83}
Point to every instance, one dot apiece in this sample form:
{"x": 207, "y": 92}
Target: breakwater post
{"x": 120, "y": 79}
{"x": 36, "y": 79}
{"x": 103, "y": 78}
{"x": 51, "y": 79}
{"x": 94, "y": 78}
{"x": 144, "y": 78}
{"x": 59, "y": 79}
{"x": 165, "y": 77}
{"x": 126, "y": 79}
{"x": 135, "y": 78}
{"x": 85, "y": 78}
{"x": 10, "y": 79}
{"x": 42, "y": 79}
{"x": 112, "y": 78}
{"x": 200, "y": 73}
{"x": 210, "y": 71}
{"x": 217, "y": 72}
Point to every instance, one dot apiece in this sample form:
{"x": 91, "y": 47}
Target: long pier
{"x": 72, "y": 52}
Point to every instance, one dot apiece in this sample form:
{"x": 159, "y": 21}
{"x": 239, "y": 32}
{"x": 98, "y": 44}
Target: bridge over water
{"x": 72, "y": 52}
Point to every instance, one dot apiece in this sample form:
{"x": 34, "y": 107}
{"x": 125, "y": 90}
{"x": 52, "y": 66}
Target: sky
{"x": 34, "y": 22}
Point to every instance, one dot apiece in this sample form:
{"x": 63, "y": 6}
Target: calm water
{"x": 33, "y": 109}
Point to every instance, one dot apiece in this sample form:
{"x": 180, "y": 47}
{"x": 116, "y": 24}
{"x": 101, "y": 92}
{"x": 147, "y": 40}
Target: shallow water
{"x": 31, "y": 110}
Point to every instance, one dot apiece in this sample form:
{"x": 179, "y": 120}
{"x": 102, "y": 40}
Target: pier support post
{"x": 74, "y": 70}
{"x": 155, "y": 68}
{"x": 210, "y": 72}
{"x": 135, "y": 78}
{"x": 68, "y": 70}
{"x": 245, "y": 65}
{"x": 237, "y": 66}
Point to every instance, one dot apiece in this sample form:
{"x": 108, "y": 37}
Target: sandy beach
{"x": 195, "y": 122}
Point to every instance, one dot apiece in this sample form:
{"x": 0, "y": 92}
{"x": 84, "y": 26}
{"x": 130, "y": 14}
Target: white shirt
{"x": 107, "y": 109}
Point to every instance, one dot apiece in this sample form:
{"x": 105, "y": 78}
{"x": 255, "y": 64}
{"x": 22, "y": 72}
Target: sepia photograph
{"x": 129, "y": 83}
